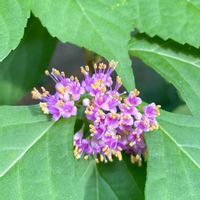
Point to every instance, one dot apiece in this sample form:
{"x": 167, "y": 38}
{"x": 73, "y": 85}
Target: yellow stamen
{"x": 60, "y": 103}
{"x": 119, "y": 81}
{"x": 92, "y": 129}
{"x": 87, "y": 68}
{"x": 103, "y": 89}
{"x": 55, "y": 72}
{"x": 119, "y": 155}
{"x": 157, "y": 110}
{"x": 131, "y": 144}
{"x": 139, "y": 160}
{"x": 101, "y": 158}
{"x": 134, "y": 93}
{"x": 95, "y": 66}
{"x": 113, "y": 64}
{"x": 133, "y": 159}
{"x": 46, "y": 72}
{"x": 86, "y": 157}
{"x": 36, "y": 94}
{"x": 119, "y": 148}
{"x": 63, "y": 74}
{"x": 61, "y": 90}
{"x": 107, "y": 134}
{"x": 110, "y": 158}
{"x": 72, "y": 78}
{"x": 44, "y": 108}
{"x": 76, "y": 79}
{"x": 100, "y": 66}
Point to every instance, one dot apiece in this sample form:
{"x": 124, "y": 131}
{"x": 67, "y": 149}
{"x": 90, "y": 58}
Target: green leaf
{"x": 22, "y": 69}
{"x": 117, "y": 180}
{"x": 179, "y": 21}
{"x": 180, "y": 65}
{"x": 37, "y": 162}
{"x": 13, "y": 19}
{"x": 182, "y": 109}
{"x": 101, "y": 26}
{"x": 196, "y": 3}
{"x": 173, "y": 170}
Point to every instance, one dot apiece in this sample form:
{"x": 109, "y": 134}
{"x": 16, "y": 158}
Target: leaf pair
{"x": 37, "y": 162}
{"x": 173, "y": 166}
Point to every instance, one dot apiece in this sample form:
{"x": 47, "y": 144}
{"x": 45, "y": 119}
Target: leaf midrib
{"x": 26, "y": 150}
{"x": 164, "y": 54}
{"x": 23, "y": 123}
{"x": 179, "y": 146}
{"x": 97, "y": 173}
{"x": 94, "y": 26}
{"x": 153, "y": 51}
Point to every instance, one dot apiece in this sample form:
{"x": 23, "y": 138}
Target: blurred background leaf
{"x": 24, "y": 66}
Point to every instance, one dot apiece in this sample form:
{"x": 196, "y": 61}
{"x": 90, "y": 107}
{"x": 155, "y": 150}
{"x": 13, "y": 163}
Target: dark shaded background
{"x": 152, "y": 87}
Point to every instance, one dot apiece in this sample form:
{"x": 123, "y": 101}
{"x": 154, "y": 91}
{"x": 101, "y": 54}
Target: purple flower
{"x": 132, "y": 99}
{"x": 97, "y": 131}
{"x": 126, "y": 119}
{"x": 78, "y": 137}
{"x": 55, "y": 112}
{"x": 142, "y": 125}
{"x": 151, "y": 110}
{"x": 116, "y": 124}
{"x": 86, "y": 146}
{"x": 61, "y": 104}
{"x": 76, "y": 90}
{"x": 90, "y": 112}
{"x": 68, "y": 109}
{"x": 112, "y": 101}
{"x": 112, "y": 120}
{"x": 101, "y": 79}
{"x": 129, "y": 109}
{"x": 99, "y": 100}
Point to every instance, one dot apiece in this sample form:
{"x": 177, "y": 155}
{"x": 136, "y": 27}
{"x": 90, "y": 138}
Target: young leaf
{"x": 13, "y": 19}
{"x": 37, "y": 162}
{"x": 169, "y": 19}
{"x": 178, "y": 65}
{"x": 173, "y": 170}
{"x": 25, "y": 65}
{"x": 101, "y": 26}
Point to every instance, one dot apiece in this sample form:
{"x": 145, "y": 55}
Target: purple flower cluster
{"x": 62, "y": 103}
{"x": 117, "y": 121}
